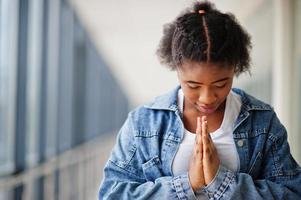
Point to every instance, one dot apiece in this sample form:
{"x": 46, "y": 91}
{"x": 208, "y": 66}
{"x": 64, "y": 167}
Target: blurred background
{"x": 71, "y": 70}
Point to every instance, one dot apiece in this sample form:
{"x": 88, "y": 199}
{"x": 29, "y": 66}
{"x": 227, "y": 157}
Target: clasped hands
{"x": 204, "y": 162}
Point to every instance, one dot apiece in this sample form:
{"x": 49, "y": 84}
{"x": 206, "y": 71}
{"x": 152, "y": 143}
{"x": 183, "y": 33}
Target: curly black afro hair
{"x": 204, "y": 34}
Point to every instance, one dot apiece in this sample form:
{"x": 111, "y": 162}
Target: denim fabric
{"x": 139, "y": 166}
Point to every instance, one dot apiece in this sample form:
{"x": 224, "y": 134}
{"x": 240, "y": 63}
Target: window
{"x": 8, "y": 56}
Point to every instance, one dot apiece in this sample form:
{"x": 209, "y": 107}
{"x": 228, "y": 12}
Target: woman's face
{"x": 205, "y": 86}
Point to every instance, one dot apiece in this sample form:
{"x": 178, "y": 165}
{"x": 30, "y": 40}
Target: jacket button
{"x": 240, "y": 143}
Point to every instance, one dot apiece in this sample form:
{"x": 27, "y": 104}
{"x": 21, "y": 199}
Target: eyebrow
{"x": 195, "y": 82}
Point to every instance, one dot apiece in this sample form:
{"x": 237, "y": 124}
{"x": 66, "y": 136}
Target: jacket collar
{"x": 169, "y": 100}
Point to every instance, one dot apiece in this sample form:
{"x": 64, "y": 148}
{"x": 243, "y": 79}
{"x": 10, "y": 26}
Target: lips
{"x": 206, "y": 109}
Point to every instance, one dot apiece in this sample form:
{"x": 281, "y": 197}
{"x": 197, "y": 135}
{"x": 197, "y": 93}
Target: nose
{"x": 207, "y": 97}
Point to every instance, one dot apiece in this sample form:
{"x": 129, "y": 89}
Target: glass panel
{"x": 8, "y": 57}
{"x": 34, "y": 71}
{"x": 52, "y": 78}
{"x": 66, "y": 71}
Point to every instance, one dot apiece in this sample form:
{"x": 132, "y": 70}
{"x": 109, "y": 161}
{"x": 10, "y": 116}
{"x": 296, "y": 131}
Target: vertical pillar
{"x": 284, "y": 72}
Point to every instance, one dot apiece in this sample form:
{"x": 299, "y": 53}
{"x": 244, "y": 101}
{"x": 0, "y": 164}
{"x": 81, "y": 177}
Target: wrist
{"x": 196, "y": 187}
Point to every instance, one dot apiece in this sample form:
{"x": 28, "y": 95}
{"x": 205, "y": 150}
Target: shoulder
{"x": 252, "y": 103}
{"x": 262, "y": 117}
{"x": 156, "y": 114}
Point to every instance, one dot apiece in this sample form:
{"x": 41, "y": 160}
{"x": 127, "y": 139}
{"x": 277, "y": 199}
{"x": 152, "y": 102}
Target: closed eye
{"x": 221, "y": 86}
{"x": 192, "y": 86}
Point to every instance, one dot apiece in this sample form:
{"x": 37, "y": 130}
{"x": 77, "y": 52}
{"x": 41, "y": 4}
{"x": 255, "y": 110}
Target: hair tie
{"x": 201, "y": 11}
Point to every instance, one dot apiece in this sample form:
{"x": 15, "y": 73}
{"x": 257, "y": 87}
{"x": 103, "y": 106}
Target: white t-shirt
{"x": 222, "y": 138}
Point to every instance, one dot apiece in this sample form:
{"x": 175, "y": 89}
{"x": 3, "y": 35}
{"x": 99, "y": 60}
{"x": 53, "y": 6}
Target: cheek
{"x": 190, "y": 95}
{"x": 222, "y": 94}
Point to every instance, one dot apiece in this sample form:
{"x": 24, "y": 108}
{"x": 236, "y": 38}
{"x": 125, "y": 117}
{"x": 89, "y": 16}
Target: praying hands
{"x": 204, "y": 162}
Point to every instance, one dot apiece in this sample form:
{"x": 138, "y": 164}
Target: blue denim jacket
{"x": 140, "y": 164}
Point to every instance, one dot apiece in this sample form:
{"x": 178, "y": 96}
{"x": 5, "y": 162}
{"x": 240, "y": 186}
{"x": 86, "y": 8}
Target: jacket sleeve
{"x": 123, "y": 177}
{"x": 280, "y": 174}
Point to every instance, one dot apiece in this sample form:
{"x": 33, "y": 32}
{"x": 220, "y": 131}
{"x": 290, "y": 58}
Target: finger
{"x": 204, "y": 126}
{"x": 204, "y": 134}
{"x": 198, "y": 131}
{"x": 198, "y": 147}
{"x": 200, "y": 143}
{"x": 209, "y": 135}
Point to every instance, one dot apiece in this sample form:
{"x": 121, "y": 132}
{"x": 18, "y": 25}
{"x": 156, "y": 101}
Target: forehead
{"x": 204, "y": 72}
